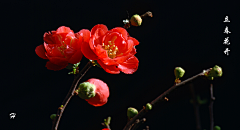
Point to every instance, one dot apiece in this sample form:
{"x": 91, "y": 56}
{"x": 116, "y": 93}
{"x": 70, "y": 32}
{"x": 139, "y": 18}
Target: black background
{"x": 188, "y": 34}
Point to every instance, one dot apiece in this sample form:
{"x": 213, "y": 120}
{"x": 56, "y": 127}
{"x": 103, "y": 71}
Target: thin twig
{"x": 211, "y": 107}
{"x": 69, "y": 95}
{"x": 149, "y": 14}
{"x": 196, "y": 108}
{"x": 138, "y": 123}
{"x": 161, "y": 98}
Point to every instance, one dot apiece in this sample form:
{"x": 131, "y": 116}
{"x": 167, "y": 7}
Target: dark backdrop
{"x": 188, "y": 34}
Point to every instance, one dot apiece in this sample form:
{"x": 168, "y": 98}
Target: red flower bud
{"x": 94, "y": 91}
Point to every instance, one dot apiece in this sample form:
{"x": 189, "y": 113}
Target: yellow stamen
{"x": 111, "y": 48}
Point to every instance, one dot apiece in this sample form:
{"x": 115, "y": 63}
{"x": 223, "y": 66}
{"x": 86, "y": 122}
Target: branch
{"x": 161, "y": 98}
{"x": 137, "y": 123}
{"x": 196, "y": 108}
{"x": 69, "y": 95}
{"x": 211, "y": 107}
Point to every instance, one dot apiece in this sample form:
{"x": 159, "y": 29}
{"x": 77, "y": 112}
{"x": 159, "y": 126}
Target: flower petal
{"x": 96, "y": 39}
{"x": 129, "y": 66}
{"x": 60, "y": 61}
{"x": 135, "y": 41}
{"x": 52, "y": 50}
{"x": 87, "y": 51}
{"x": 54, "y": 67}
{"x": 122, "y": 59}
{"x": 121, "y": 31}
{"x": 63, "y": 29}
{"x": 100, "y": 52}
{"x": 101, "y": 26}
{"x": 109, "y": 61}
{"x": 40, "y": 51}
{"x": 112, "y": 69}
{"x": 83, "y": 34}
{"x": 48, "y": 37}
{"x": 77, "y": 57}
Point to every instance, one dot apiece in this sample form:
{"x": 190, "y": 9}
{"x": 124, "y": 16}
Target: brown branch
{"x": 161, "y": 98}
{"x": 196, "y": 108}
{"x": 69, "y": 95}
{"x": 149, "y": 14}
{"x": 211, "y": 107}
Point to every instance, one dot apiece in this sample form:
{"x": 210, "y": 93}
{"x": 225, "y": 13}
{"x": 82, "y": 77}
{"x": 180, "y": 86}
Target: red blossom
{"x": 101, "y": 93}
{"x": 60, "y": 48}
{"x": 113, "y": 49}
{"x": 105, "y": 129}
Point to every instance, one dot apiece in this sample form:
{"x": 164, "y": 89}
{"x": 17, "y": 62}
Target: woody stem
{"x": 211, "y": 107}
{"x": 161, "y": 98}
{"x": 196, "y": 108}
{"x": 70, "y": 95}
{"x": 149, "y": 14}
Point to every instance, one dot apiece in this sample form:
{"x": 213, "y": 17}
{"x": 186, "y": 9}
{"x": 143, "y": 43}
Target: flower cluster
{"x": 113, "y": 49}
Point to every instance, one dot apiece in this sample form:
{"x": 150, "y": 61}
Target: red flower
{"x": 113, "y": 49}
{"x": 60, "y": 48}
{"x": 105, "y": 129}
{"x": 101, "y": 93}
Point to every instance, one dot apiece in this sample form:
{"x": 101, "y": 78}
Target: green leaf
{"x": 76, "y": 65}
{"x": 70, "y": 73}
{"x": 108, "y": 120}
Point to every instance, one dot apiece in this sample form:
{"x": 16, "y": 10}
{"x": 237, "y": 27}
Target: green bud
{"x": 76, "y": 65}
{"x": 108, "y": 120}
{"x": 53, "y": 116}
{"x": 95, "y": 63}
{"x": 70, "y": 72}
{"x": 148, "y": 106}
{"x": 217, "y": 128}
{"x": 136, "y": 20}
{"x": 131, "y": 112}
{"x": 179, "y": 72}
{"x": 86, "y": 90}
{"x": 215, "y": 72}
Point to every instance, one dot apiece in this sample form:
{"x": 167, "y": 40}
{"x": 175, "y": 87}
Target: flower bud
{"x": 136, "y": 20}
{"x": 179, "y": 72}
{"x": 53, "y": 116}
{"x": 215, "y": 72}
{"x": 131, "y": 112}
{"x": 148, "y": 106}
{"x": 86, "y": 90}
{"x": 217, "y": 128}
{"x": 94, "y": 91}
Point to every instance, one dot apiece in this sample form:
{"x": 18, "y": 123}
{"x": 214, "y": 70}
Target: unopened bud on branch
{"x": 131, "y": 112}
{"x": 136, "y": 20}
